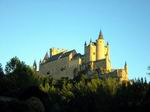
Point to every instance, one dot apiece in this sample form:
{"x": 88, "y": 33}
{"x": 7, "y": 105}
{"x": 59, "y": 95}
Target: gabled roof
{"x": 68, "y": 53}
{"x": 61, "y": 55}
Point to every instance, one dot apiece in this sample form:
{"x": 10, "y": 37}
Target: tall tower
{"x": 91, "y": 52}
{"x": 100, "y": 50}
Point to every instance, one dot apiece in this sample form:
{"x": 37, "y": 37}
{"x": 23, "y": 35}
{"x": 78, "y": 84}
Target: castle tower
{"x": 100, "y": 50}
{"x": 108, "y": 62}
{"x": 91, "y": 52}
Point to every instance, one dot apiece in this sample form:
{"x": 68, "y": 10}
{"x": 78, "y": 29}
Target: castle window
{"x": 48, "y": 73}
{"x": 62, "y": 69}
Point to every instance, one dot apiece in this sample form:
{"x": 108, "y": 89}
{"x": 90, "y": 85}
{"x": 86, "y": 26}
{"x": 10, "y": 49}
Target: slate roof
{"x": 100, "y": 35}
{"x": 61, "y": 55}
{"x": 93, "y": 43}
{"x": 77, "y": 55}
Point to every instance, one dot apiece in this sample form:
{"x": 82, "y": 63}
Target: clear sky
{"x": 28, "y": 28}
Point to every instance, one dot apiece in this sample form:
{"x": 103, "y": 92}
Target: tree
{"x": 111, "y": 86}
{"x": 1, "y": 70}
{"x": 148, "y": 69}
{"x": 12, "y": 65}
{"x": 15, "y": 66}
{"x": 20, "y": 74}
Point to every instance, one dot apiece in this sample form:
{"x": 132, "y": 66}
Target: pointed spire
{"x": 107, "y": 43}
{"x": 40, "y": 62}
{"x": 100, "y": 35}
{"x": 126, "y": 67}
{"x": 125, "y": 63}
{"x": 34, "y": 65}
{"x": 101, "y": 32}
{"x": 85, "y": 43}
{"x": 90, "y": 40}
{"x": 46, "y": 56}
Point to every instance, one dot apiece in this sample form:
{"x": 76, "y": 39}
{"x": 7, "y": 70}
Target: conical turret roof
{"x": 100, "y": 35}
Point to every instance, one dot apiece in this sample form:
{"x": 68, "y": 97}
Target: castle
{"x": 96, "y": 59}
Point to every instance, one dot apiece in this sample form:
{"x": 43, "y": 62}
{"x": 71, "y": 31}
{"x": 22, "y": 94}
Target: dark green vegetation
{"x": 23, "y": 90}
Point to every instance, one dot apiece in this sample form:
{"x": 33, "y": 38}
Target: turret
{"x": 46, "y": 57}
{"x": 91, "y": 51}
{"x": 40, "y": 62}
{"x": 85, "y": 43}
{"x": 108, "y": 51}
{"x": 34, "y": 66}
{"x": 100, "y": 35}
{"x": 108, "y": 62}
{"x": 90, "y": 41}
{"x": 107, "y": 44}
{"x": 100, "y": 50}
{"x": 126, "y": 67}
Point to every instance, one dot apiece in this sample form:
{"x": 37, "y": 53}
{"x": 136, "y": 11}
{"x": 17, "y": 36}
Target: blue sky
{"x": 28, "y": 28}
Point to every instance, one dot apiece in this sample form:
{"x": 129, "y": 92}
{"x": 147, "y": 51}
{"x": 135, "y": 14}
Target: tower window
{"x": 63, "y": 68}
{"x": 48, "y": 73}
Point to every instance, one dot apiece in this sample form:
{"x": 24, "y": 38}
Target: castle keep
{"x": 96, "y": 59}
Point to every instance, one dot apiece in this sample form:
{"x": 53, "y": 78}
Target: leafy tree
{"x": 111, "y": 85}
{"x": 45, "y": 87}
{"x": 66, "y": 92}
{"x": 94, "y": 83}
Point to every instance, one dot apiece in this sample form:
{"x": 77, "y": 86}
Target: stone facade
{"x": 61, "y": 65}
{"x": 96, "y": 58}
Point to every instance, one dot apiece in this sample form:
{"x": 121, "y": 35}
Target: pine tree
{"x": 1, "y": 70}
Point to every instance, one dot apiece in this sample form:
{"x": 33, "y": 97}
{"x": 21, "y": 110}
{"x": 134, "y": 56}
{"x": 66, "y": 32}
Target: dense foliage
{"x": 22, "y": 89}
